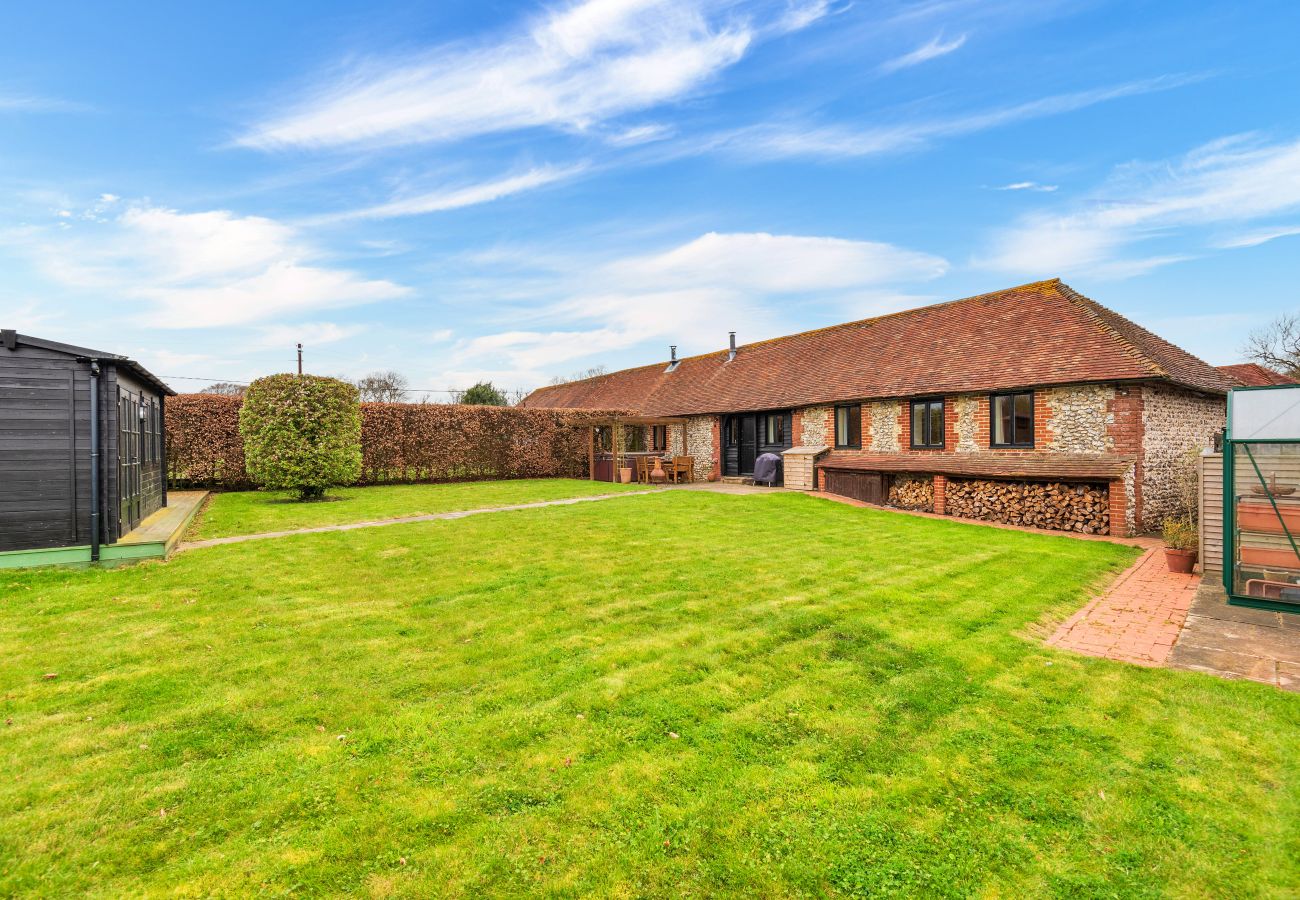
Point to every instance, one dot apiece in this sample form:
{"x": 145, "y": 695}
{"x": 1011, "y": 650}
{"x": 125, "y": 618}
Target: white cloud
{"x": 465, "y": 195}
{"x": 1228, "y": 182}
{"x": 198, "y": 270}
{"x": 1255, "y": 238}
{"x": 313, "y": 334}
{"x": 574, "y": 67}
{"x": 639, "y": 134}
{"x": 778, "y": 264}
{"x": 705, "y": 287}
{"x": 837, "y": 141}
{"x": 933, "y": 49}
{"x": 1028, "y": 186}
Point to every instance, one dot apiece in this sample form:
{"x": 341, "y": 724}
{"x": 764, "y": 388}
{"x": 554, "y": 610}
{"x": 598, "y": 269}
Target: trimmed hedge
{"x": 203, "y": 443}
{"x": 301, "y": 433}
{"x": 401, "y": 443}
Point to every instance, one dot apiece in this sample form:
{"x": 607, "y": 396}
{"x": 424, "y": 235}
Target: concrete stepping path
{"x": 431, "y": 517}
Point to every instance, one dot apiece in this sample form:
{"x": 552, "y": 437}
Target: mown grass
{"x": 673, "y": 694}
{"x": 254, "y": 512}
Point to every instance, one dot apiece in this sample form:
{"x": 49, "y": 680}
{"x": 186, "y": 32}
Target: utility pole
{"x": 300, "y": 359}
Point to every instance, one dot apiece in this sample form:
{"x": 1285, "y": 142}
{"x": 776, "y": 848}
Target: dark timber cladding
{"x": 45, "y": 446}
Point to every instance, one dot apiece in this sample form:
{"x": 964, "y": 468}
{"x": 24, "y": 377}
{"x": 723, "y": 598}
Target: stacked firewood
{"x": 1063, "y": 507}
{"x": 912, "y": 493}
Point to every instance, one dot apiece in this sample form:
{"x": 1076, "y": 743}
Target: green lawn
{"x": 253, "y": 512}
{"x": 676, "y": 694}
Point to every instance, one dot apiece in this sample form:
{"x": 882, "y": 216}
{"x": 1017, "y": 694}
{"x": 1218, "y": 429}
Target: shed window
{"x": 1013, "y": 419}
{"x": 774, "y": 429}
{"x": 658, "y": 438}
{"x": 927, "y": 424}
{"x": 848, "y": 428}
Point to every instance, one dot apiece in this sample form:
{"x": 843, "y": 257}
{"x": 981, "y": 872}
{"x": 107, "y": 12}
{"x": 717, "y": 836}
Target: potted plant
{"x": 1181, "y": 541}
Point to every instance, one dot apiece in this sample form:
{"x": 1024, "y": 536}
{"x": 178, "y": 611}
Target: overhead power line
{"x": 401, "y": 390}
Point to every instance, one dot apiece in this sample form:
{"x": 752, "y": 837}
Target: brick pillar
{"x": 941, "y": 495}
{"x": 716, "y": 471}
{"x": 1117, "y": 502}
{"x": 796, "y": 428}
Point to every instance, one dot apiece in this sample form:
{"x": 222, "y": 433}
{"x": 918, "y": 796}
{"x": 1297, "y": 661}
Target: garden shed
{"x": 81, "y": 450}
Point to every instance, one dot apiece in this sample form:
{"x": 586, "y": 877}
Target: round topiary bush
{"x": 301, "y": 433}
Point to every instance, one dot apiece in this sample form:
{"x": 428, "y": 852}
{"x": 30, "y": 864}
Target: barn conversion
{"x": 82, "y": 452}
{"x": 1034, "y": 405}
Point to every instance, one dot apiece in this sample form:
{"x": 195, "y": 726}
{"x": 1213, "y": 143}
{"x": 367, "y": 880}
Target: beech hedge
{"x": 401, "y": 443}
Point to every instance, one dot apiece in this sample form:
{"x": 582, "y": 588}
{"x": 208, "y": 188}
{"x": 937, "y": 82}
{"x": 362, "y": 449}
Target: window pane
{"x": 841, "y": 426}
{"x": 1024, "y": 418}
{"x": 918, "y": 424}
{"x": 1001, "y": 420}
{"x": 855, "y": 426}
{"x": 935, "y": 438}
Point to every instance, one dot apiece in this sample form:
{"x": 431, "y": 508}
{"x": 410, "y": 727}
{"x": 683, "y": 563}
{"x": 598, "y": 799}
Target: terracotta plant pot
{"x": 1180, "y": 562}
{"x": 625, "y": 474}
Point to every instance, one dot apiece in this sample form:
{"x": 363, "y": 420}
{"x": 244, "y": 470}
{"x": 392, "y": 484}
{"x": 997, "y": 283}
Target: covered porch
{"x": 633, "y": 442}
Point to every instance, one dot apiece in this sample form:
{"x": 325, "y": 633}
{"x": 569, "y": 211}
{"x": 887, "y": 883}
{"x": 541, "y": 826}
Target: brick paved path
{"x": 1138, "y": 618}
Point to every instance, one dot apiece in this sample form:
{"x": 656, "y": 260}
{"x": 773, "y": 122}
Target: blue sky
{"x": 516, "y": 191}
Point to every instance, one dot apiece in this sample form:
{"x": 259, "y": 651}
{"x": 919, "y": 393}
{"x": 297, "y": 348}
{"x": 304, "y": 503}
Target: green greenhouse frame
{"x": 1275, "y": 501}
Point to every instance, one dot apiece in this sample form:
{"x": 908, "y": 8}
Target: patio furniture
{"x": 683, "y": 468}
{"x": 642, "y": 470}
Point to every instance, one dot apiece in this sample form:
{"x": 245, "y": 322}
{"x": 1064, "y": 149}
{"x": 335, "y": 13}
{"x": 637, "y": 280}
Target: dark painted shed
{"x": 48, "y": 462}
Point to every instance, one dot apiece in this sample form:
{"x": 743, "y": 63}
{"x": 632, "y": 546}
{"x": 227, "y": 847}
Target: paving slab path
{"x": 1239, "y": 642}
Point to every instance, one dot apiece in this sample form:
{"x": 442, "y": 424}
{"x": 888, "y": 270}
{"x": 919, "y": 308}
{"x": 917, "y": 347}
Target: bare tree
{"x": 226, "y": 388}
{"x": 1277, "y": 345}
{"x": 593, "y": 372}
{"x": 382, "y": 387}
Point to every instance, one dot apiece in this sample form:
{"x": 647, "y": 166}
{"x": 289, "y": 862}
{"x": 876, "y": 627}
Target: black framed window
{"x": 848, "y": 428}
{"x": 733, "y": 431}
{"x": 1012, "y": 417}
{"x": 774, "y": 429}
{"x": 658, "y": 438}
{"x": 927, "y": 424}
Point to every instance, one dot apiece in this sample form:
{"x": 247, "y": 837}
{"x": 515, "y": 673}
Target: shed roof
{"x": 1035, "y": 334}
{"x": 85, "y": 352}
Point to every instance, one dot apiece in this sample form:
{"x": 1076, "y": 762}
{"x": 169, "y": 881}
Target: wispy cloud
{"x": 198, "y": 270}
{"x": 703, "y": 287}
{"x": 933, "y": 49}
{"x": 1230, "y": 182}
{"x": 575, "y": 66}
{"x": 1028, "y": 186}
{"x": 464, "y": 195}
{"x": 1255, "y": 238}
{"x": 18, "y": 102}
{"x": 314, "y": 334}
{"x": 806, "y": 140}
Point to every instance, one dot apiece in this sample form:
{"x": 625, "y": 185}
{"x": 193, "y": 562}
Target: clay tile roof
{"x": 1058, "y": 466}
{"x": 1254, "y": 375}
{"x": 1034, "y": 334}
